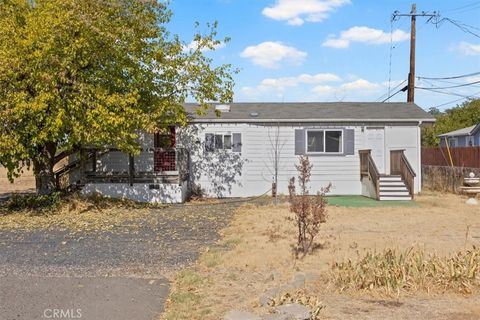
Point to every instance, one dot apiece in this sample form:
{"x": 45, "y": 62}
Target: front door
{"x": 375, "y": 141}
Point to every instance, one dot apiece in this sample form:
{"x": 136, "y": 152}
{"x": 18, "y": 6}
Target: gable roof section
{"x": 314, "y": 112}
{"x": 468, "y": 131}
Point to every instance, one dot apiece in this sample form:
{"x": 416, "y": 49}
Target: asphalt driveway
{"x": 104, "y": 275}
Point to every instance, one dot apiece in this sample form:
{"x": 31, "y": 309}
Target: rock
{"x": 277, "y": 316}
{"x": 472, "y": 201}
{"x": 241, "y": 315}
{"x": 311, "y": 276}
{"x": 274, "y": 275}
{"x": 269, "y": 295}
{"x": 298, "y": 281}
{"x": 294, "y": 311}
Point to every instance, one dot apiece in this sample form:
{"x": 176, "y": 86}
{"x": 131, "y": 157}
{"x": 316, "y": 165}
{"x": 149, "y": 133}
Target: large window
{"x": 324, "y": 141}
{"x": 218, "y": 142}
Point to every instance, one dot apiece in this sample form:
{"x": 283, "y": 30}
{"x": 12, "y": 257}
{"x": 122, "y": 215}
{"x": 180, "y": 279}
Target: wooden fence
{"x": 463, "y": 157}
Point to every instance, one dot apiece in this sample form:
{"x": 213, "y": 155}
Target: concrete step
{"x": 393, "y": 198}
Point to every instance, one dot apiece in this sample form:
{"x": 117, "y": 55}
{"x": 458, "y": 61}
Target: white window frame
{"x": 223, "y": 134}
{"x": 324, "y": 141}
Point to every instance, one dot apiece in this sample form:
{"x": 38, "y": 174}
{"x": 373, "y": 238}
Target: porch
{"x": 398, "y": 185}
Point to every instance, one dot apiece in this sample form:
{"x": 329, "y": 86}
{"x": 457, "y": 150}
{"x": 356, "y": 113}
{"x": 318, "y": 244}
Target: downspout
{"x": 419, "y": 156}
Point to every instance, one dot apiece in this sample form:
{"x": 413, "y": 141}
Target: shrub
{"x": 310, "y": 211}
{"x": 33, "y": 202}
{"x": 392, "y": 272}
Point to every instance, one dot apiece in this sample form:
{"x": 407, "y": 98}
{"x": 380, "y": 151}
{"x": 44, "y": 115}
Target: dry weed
{"x": 393, "y": 272}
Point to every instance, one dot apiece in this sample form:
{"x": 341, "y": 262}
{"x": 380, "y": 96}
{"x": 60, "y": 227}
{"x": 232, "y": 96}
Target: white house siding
{"x": 408, "y": 139}
{"x": 217, "y": 174}
{"x": 141, "y": 192}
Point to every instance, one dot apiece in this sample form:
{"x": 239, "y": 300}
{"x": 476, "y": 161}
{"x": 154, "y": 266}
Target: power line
{"x": 451, "y": 77}
{"x": 462, "y": 26}
{"x": 451, "y": 87}
{"x": 456, "y": 100}
{"x": 392, "y": 95}
{"x": 467, "y": 6}
{"x": 449, "y": 93}
{"x": 388, "y": 93}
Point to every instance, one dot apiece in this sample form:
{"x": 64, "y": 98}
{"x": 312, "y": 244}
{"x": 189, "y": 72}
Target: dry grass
{"x": 76, "y": 214}
{"x": 393, "y": 272}
{"x": 442, "y": 224}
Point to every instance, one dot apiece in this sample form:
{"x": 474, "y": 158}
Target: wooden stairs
{"x": 393, "y": 188}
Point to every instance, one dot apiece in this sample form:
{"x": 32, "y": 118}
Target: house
{"x": 370, "y": 149}
{"x": 465, "y": 137}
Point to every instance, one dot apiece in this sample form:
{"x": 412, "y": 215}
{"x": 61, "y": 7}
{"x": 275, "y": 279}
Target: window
{"x": 222, "y": 142}
{"x": 315, "y": 141}
{"x": 324, "y": 141}
{"x": 227, "y": 142}
{"x": 470, "y": 141}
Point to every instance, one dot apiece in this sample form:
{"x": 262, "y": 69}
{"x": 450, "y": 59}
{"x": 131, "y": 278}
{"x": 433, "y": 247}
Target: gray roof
{"x": 314, "y": 112}
{"x": 462, "y": 132}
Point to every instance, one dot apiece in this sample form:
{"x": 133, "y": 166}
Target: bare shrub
{"x": 197, "y": 192}
{"x": 310, "y": 211}
{"x": 393, "y": 272}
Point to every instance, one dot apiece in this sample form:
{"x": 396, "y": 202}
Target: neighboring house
{"x": 465, "y": 137}
{"x": 370, "y": 149}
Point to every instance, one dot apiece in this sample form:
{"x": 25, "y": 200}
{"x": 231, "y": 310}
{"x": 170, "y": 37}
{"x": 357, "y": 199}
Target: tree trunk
{"x": 43, "y": 165}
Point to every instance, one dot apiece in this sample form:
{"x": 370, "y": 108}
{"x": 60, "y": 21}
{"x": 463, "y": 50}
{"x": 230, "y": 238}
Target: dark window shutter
{"x": 209, "y": 142}
{"x": 236, "y": 142}
{"x": 349, "y": 142}
{"x": 299, "y": 141}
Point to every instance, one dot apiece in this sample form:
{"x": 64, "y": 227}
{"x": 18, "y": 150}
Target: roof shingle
{"x": 325, "y": 111}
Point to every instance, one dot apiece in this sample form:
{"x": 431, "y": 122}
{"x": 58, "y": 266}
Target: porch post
{"x": 94, "y": 160}
{"x": 131, "y": 168}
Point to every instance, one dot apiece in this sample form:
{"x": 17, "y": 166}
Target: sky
{"x": 339, "y": 50}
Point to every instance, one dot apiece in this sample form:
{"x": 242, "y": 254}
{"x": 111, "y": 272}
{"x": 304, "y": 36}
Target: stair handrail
{"x": 367, "y": 163}
{"x": 400, "y": 165}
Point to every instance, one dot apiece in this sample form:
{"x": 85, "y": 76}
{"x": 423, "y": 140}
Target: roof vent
{"x": 253, "y": 114}
{"x": 222, "y": 107}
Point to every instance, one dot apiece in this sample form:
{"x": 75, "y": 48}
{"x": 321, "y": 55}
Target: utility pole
{"x": 413, "y": 35}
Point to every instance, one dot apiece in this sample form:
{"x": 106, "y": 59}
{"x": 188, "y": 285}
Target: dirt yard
{"x": 25, "y": 183}
{"x": 255, "y": 256}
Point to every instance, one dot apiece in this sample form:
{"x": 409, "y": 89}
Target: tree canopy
{"x": 465, "y": 115}
{"x": 77, "y": 73}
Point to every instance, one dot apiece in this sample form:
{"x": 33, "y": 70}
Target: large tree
{"x": 463, "y": 115}
{"x": 78, "y": 73}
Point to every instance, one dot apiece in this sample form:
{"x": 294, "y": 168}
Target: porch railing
{"x": 399, "y": 165}
{"x": 369, "y": 169}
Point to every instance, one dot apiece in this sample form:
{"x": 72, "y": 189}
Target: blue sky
{"x": 337, "y": 50}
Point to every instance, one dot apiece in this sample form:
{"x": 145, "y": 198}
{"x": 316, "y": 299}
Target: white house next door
{"x": 375, "y": 140}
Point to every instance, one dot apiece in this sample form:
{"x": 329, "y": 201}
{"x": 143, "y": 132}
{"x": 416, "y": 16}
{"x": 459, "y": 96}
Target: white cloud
{"x": 296, "y": 12}
{"x": 324, "y": 90}
{"x": 316, "y": 87}
{"x": 468, "y": 49}
{"x": 361, "y": 84}
{"x": 364, "y": 35}
{"x": 193, "y": 45}
{"x": 269, "y": 54}
{"x": 279, "y": 85}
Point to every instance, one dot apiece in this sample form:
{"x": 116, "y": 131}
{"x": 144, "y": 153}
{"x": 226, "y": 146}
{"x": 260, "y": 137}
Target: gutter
{"x": 306, "y": 120}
